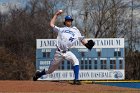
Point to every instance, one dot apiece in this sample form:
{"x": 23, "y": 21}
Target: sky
{"x": 5, "y": 3}
{"x": 4, "y": 6}
{"x": 19, "y": 3}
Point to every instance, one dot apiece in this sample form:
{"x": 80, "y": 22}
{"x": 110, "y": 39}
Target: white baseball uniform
{"x": 67, "y": 36}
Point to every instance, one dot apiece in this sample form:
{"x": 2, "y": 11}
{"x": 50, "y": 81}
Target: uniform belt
{"x": 63, "y": 51}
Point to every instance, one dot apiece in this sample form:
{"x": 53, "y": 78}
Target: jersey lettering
{"x": 67, "y": 31}
{"x": 67, "y": 36}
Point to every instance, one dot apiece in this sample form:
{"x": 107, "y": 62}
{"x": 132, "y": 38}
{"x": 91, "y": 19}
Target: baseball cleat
{"x": 76, "y": 82}
{"x": 38, "y": 74}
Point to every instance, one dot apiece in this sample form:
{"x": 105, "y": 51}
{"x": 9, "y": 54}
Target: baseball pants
{"x": 59, "y": 57}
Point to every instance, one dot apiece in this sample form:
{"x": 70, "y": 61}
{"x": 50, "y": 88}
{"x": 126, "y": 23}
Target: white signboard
{"x": 99, "y": 43}
{"x": 86, "y": 75}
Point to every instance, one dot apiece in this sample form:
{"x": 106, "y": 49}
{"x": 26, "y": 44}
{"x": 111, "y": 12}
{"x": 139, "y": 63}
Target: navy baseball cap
{"x": 68, "y": 18}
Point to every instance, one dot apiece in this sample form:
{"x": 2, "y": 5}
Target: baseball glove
{"x": 90, "y": 44}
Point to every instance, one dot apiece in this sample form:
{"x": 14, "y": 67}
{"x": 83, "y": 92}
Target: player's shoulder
{"x": 60, "y": 28}
{"x": 75, "y": 28}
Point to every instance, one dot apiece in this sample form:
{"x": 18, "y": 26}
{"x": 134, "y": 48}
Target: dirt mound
{"x": 59, "y": 87}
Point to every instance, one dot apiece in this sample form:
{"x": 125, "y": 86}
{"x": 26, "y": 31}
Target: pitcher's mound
{"x": 59, "y": 87}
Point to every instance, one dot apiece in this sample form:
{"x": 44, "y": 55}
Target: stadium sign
{"x": 106, "y": 61}
{"x": 99, "y": 43}
{"x": 86, "y": 75}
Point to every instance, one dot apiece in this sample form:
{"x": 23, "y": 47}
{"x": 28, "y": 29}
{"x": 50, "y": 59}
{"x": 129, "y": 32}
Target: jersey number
{"x": 71, "y": 39}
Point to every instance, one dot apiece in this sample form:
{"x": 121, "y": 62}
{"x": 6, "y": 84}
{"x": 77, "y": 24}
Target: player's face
{"x": 68, "y": 23}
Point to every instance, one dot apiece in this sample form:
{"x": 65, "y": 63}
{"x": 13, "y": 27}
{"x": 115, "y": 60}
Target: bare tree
{"x": 133, "y": 35}
{"x": 20, "y": 28}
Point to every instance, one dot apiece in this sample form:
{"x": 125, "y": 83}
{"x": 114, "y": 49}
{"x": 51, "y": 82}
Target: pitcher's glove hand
{"x": 90, "y": 44}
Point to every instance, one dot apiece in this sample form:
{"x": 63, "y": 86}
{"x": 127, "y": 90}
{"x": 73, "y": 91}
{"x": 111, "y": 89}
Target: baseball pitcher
{"x": 67, "y": 36}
